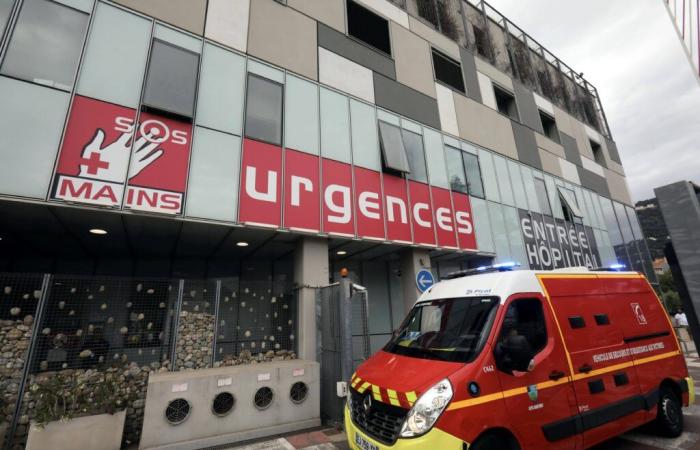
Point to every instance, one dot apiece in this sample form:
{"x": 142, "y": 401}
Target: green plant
{"x": 67, "y": 396}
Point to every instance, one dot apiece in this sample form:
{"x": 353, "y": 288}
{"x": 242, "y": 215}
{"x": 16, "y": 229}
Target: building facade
{"x": 228, "y": 154}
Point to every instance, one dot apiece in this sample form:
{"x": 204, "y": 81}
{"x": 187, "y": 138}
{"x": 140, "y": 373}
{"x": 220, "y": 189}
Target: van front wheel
{"x": 495, "y": 441}
{"x": 669, "y": 416}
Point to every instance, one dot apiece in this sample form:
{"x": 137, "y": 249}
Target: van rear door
{"x": 604, "y": 379}
{"x": 647, "y": 332}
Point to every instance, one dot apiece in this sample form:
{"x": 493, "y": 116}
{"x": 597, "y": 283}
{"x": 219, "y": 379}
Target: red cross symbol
{"x": 94, "y": 163}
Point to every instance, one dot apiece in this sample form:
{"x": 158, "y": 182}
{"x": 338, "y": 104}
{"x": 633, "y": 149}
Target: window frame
{"x": 500, "y": 91}
{"x": 245, "y": 134}
{"x": 547, "y": 211}
{"x": 359, "y": 39}
{"x": 145, "y": 106}
{"x": 382, "y": 148}
{"x": 410, "y": 175}
{"x": 570, "y": 210}
{"x": 462, "y": 88}
{"x": 556, "y": 137}
{"x": 597, "y": 150}
{"x": 482, "y": 192}
{"x": 7, "y": 34}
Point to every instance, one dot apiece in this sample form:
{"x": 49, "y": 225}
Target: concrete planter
{"x": 99, "y": 432}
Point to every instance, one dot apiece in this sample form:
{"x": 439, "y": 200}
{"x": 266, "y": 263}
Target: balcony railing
{"x": 479, "y": 27}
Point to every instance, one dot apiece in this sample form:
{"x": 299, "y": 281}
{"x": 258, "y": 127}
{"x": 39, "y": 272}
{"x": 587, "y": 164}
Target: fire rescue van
{"x": 522, "y": 360}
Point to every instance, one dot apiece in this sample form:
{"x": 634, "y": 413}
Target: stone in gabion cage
{"x": 90, "y": 297}
{"x": 73, "y": 290}
{"x": 91, "y": 327}
{"x": 161, "y": 305}
{"x": 291, "y": 337}
{"x": 8, "y": 290}
{"x": 150, "y": 291}
{"x": 103, "y": 306}
{"x": 123, "y": 330}
{"x": 25, "y": 296}
{"x": 247, "y": 333}
{"x": 15, "y": 311}
{"x": 242, "y": 304}
{"x": 140, "y": 316}
{"x": 128, "y": 304}
{"x": 46, "y": 331}
{"x": 273, "y": 300}
{"x": 78, "y": 332}
{"x": 139, "y": 287}
{"x": 86, "y": 353}
{"x": 61, "y": 305}
{"x": 37, "y": 294}
{"x": 110, "y": 320}
{"x": 71, "y": 312}
{"x": 102, "y": 288}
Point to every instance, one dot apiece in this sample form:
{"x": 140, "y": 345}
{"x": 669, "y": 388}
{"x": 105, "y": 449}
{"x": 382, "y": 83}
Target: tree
{"x": 669, "y": 292}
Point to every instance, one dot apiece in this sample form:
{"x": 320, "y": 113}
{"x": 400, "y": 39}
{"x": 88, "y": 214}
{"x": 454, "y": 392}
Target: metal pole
{"x": 38, "y": 318}
{"x": 346, "y": 328}
{"x": 176, "y": 324}
{"x": 217, "y": 299}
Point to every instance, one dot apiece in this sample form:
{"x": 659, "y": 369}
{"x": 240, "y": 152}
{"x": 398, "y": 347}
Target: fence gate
{"x": 342, "y": 340}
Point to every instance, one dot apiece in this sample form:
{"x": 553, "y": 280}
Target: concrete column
{"x": 310, "y": 272}
{"x": 412, "y": 261}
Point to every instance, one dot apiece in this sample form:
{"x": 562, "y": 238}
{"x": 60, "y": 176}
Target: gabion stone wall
{"x": 195, "y": 337}
{"x": 14, "y": 342}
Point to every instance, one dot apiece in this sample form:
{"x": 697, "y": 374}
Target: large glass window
{"x": 482, "y": 225}
{"x": 530, "y": 189}
{"x": 172, "y": 79}
{"x": 368, "y": 27}
{"x": 221, "y": 90}
{"x": 489, "y": 179}
{"x": 365, "y": 142}
{"x": 393, "y": 149}
{"x": 115, "y": 57}
{"x": 518, "y": 186}
{"x": 471, "y": 166}
{"x": 263, "y": 118}
{"x": 413, "y": 143}
{"x": 614, "y": 232}
{"x": 542, "y": 199}
{"x": 455, "y": 169}
{"x": 5, "y": 10}
{"x": 435, "y": 157}
{"x": 301, "y": 114}
{"x": 570, "y": 208}
{"x": 504, "y": 186}
{"x": 335, "y": 126}
{"x": 46, "y": 44}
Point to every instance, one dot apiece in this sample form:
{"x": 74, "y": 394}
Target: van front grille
{"x": 382, "y": 422}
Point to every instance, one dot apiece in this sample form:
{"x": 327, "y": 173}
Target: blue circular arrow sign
{"x": 424, "y": 279}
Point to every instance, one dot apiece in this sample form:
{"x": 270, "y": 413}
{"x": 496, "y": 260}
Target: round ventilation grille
{"x": 263, "y": 398}
{"x": 298, "y": 392}
{"x": 223, "y": 403}
{"x": 177, "y": 411}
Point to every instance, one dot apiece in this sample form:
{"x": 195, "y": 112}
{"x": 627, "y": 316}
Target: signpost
{"x": 424, "y": 280}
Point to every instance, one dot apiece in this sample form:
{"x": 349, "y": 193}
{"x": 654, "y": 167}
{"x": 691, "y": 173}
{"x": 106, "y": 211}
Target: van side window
{"x": 526, "y": 318}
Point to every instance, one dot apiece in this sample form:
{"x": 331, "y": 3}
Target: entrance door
{"x": 540, "y": 402}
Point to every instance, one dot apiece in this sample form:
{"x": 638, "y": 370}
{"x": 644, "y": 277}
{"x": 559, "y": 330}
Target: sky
{"x": 632, "y": 55}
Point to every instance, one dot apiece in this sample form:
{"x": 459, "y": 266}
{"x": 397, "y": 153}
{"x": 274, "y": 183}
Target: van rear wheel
{"x": 495, "y": 441}
{"x": 669, "y": 415}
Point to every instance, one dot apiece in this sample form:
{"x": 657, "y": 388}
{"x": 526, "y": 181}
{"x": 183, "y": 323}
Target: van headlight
{"x": 427, "y": 409}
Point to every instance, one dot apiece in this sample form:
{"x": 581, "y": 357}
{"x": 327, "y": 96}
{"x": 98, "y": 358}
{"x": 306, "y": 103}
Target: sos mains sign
{"x": 109, "y": 160}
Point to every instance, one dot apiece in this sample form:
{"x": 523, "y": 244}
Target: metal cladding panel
{"x": 396, "y": 97}
{"x": 526, "y": 145}
{"x": 529, "y": 114}
{"x": 369, "y": 203}
{"x": 337, "y": 200}
{"x": 593, "y": 181}
{"x": 260, "y": 185}
{"x": 470, "y": 75}
{"x": 342, "y": 45}
{"x": 612, "y": 151}
{"x": 570, "y": 148}
{"x": 302, "y": 208}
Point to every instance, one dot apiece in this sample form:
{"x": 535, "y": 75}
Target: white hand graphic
{"x": 109, "y": 163}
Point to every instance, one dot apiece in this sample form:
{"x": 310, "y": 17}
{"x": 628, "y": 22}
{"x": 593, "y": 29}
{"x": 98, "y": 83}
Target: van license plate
{"x": 364, "y": 444}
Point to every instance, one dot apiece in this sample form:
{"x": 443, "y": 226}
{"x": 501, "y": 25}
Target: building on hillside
{"x": 653, "y": 226}
{"x": 202, "y": 167}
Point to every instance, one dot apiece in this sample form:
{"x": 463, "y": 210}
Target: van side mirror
{"x": 513, "y": 353}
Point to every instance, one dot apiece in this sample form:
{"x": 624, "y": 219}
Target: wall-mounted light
{"x": 341, "y": 252}
{"x": 242, "y": 244}
{"x": 98, "y": 231}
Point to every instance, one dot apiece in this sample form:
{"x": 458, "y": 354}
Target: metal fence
{"x": 478, "y": 26}
{"x": 343, "y": 341}
{"x": 83, "y": 329}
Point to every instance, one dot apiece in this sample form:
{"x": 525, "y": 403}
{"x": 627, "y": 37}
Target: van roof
{"x": 502, "y": 284}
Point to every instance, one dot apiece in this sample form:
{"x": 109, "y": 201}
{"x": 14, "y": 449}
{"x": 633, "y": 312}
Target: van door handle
{"x": 585, "y": 368}
{"x": 556, "y": 374}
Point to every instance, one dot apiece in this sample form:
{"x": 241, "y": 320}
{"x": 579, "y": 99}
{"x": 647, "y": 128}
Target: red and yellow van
{"x": 523, "y": 360}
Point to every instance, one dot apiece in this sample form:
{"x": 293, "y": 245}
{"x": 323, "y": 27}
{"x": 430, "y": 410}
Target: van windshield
{"x": 451, "y": 329}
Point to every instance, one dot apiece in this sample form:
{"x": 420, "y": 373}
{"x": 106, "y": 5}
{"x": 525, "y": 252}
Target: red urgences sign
{"x": 323, "y": 195}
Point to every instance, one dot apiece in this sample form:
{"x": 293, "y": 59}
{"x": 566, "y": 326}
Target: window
{"x": 455, "y": 170}
{"x": 597, "y": 152}
{"x": 482, "y": 42}
{"x": 542, "y": 200}
{"x": 526, "y": 318}
{"x": 5, "y": 10}
{"x": 569, "y": 206}
{"x": 368, "y": 27}
{"x": 46, "y": 44}
{"x": 471, "y": 166}
{"x": 505, "y": 102}
{"x": 448, "y": 71}
{"x": 263, "y": 116}
{"x": 549, "y": 125}
{"x": 393, "y": 150}
{"x": 413, "y": 143}
{"x": 171, "y": 80}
